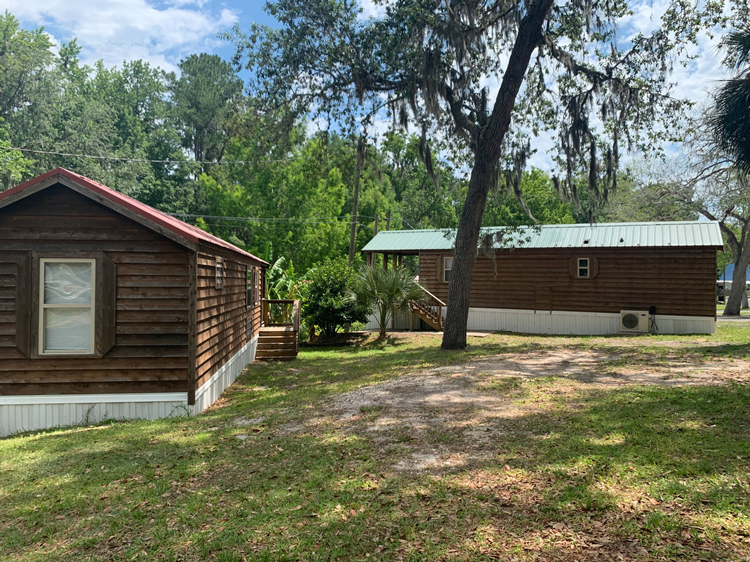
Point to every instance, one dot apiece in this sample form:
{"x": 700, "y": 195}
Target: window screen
{"x": 66, "y": 311}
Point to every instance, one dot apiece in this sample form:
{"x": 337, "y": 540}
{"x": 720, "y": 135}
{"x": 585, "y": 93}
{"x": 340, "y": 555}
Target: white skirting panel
{"x": 561, "y": 322}
{"x": 667, "y": 324}
{"x": 29, "y": 413}
{"x": 402, "y": 321}
{"x": 221, "y": 379}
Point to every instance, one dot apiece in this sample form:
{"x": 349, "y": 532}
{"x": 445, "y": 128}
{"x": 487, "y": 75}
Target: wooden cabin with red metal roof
{"x": 111, "y": 309}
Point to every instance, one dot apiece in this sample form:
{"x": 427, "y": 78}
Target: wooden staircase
{"x": 430, "y": 310}
{"x": 279, "y": 334}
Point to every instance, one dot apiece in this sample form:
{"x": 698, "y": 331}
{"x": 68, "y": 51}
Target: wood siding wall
{"x": 679, "y": 281}
{"x": 152, "y": 298}
{"x": 225, "y": 323}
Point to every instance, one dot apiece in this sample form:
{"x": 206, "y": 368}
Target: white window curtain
{"x": 67, "y": 305}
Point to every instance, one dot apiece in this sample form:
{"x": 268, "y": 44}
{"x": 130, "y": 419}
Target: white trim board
{"x": 94, "y": 398}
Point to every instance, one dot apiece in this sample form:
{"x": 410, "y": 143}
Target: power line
{"x": 150, "y": 161}
{"x": 268, "y": 219}
{"x": 236, "y": 227}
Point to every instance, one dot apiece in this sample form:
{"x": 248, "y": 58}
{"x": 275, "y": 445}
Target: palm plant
{"x": 731, "y": 119}
{"x": 384, "y": 292}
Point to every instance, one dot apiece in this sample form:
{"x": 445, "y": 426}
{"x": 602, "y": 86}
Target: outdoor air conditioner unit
{"x": 635, "y": 321}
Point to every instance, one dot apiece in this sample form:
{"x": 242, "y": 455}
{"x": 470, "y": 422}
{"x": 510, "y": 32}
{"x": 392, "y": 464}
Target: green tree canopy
{"x": 559, "y": 65}
{"x": 206, "y": 99}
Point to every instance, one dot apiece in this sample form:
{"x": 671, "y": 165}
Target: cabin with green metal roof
{"x": 590, "y": 279}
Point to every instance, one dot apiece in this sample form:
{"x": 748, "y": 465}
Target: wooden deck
{"x": 279, "y": 335}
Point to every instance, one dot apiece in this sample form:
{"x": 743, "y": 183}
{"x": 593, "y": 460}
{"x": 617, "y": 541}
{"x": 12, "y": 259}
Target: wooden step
{"x": 278, "y": 335}
{"x": 282, "y": 354}
{"x": 274, "y": 341}
{"x": 427, "y": 316}
{"x": 278, "y": 346}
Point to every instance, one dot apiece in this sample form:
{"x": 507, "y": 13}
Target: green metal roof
{"x": 608, "y": 235}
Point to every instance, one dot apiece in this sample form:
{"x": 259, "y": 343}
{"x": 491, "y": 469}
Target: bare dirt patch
{"x": 609, "y": 368}
{"x": 440, "y": 419}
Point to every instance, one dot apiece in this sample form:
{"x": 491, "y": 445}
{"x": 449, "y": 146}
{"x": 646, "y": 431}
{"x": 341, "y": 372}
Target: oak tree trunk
{"x": 488, "y": 152}
{"x": 739, "y": 279}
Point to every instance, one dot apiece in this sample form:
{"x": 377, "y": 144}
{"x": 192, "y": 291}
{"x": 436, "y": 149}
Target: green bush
{"x": 326, "y": 306}
{"x": 385, "y": 291}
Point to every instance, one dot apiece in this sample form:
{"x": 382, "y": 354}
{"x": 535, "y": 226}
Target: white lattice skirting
{"x": 29, "y": 413}
{"x": 562, "y": 322}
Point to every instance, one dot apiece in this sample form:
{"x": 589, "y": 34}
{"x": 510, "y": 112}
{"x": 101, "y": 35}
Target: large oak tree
{"x": 558, "y": 65}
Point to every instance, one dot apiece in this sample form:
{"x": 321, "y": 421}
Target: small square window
{"x": 447, "y": 267}
{"x": 584, "y": 269}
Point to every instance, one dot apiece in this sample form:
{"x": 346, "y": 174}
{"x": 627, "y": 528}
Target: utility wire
{"x": 268, "y": 219}
{"x": 146, "y": 160}
{"x": 236, "y": 227}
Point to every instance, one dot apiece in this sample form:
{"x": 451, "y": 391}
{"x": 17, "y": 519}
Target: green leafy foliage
{"x": 292, "y": 194}
{"x": 326, "y": 305}
{"x": 282, "y": 283}
{"x": 730, "y": 122}
{"x": 540, "y": 198}
{"x": 206, "y": 99}
{"x": 13, "y": 164}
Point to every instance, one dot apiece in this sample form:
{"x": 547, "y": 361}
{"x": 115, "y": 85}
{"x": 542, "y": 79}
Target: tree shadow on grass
{"x": 574, "y": 482}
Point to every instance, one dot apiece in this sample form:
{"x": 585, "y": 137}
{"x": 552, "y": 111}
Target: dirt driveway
{"x": 448, "y": 417}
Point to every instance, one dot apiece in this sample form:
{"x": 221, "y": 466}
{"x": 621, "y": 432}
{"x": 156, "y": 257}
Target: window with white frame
{"x": 67, "y": 306}
{"x": 447, "y": 267}
{"x": 584, "y": 268}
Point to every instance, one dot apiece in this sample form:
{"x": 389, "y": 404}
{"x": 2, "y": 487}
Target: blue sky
{"x": 165, "y": 31}
{"x": 160, "y": 31}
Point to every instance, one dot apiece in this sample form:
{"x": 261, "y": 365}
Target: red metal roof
{"x": 187, "y": 231}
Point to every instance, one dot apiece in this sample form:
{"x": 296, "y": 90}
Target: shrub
{"x": 325, "y": 297}
{"x": 385, "y": 292}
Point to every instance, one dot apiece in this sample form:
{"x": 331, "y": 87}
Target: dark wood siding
{"x": 150, "y": 352}
{"x": 225, "y": 323}
{"x": 679, "y": 281}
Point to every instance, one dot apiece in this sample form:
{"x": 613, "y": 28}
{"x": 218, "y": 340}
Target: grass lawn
{"x": 720, "y": 310}
{"x": 521, "y": 448}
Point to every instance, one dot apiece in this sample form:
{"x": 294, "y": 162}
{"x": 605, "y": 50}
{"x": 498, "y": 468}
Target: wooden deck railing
{"x": 281, "y": 312}
{"x": 433, "y": 305}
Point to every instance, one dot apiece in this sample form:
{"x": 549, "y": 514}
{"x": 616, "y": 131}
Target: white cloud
{"x": 118, "y": 30}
